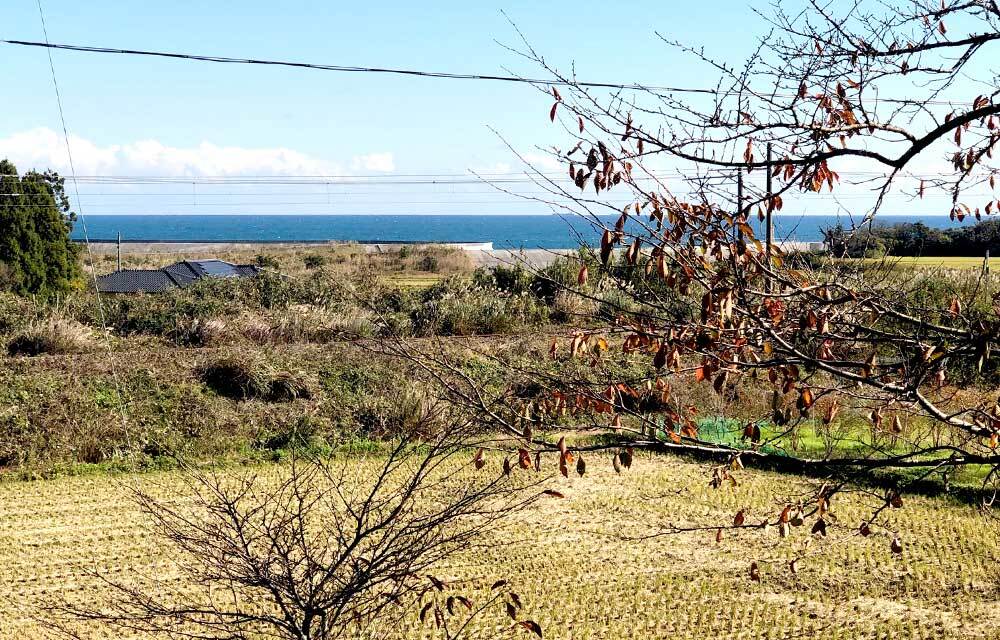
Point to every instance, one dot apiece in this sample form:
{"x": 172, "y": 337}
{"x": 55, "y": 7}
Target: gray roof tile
{"x": 180, "y": 274}
{"x": 135, "y": 281}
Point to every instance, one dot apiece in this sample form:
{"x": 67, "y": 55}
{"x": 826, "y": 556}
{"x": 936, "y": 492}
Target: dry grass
{"x": 54, "y": 336}
{"x": 575, "y": 573}
{"x": 248, "y": 376}
{"x": 571, "y": 307}
{"x": 298, "y": 324}
{"x": 413, "y": 265}
{"x": 938, "y": 262}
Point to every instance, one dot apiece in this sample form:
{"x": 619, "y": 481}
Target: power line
{"x": 347, "y": 68}
{"x": 264, "y": 199}
{"x": 479, "y": 175}
{"x": 405, "y": 72}
{"x": 405, "y": 179}
{"x": 86, "y": 236}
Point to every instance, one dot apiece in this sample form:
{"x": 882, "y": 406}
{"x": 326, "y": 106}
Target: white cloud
{"x": 544, "y": 162}
{"x": 382, "y": 162}
{"x": 43, "y": 148}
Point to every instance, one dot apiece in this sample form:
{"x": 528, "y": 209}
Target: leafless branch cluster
{"x": 869, "y": 85}
{"x": 322, "y": 548}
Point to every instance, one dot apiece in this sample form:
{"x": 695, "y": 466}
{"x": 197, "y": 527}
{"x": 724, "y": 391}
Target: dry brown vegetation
{"x": 63, "y": 383}
{"x": 574, "y": 571}
{"x": 872, "y": 388}
{"x": 391, "y": 261}
{"x": 53, "y": 336}
{"x": 591, "y": 564}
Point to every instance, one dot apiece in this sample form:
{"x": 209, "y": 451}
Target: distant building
{"x": 180, "y": 274}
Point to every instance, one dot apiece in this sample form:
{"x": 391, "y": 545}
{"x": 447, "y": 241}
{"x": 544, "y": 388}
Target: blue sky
{"x": 428, "y": 125}
{"x": 144, "y": 116}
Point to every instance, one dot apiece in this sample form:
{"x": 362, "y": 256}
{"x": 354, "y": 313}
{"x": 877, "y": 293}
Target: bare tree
{"x": 699, "y": 299}
{"x": 323, "y": 547}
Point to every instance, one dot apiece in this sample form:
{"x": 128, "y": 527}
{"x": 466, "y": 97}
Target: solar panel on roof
{"x": 217, "y": 268}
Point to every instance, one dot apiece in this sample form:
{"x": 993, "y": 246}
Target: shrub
{"x": 273, "y": 291}
{"x": 305, "y": 432}
{"x": 258, "y": 329}
{"x": 431, "y": 258}
{"x": 300, "y": 323}
{"x": 249, "y": 377}
{"x": 372, "y": 398}
{"x": 455, "y": 306}
{"x": 407, "y": 412}
{"x": 514, "y": 279}
{"x": 394, "y": 324}
{"x": 239, "y": 378}
{"x": 568, "y": 306}
{"x": 53, "y": 336}
{"x": 16, "y": 312}
{"x": 285, "y": 387}
{"x": 558, "y": 275}
{"x": 429, "y": 263}
{"x": 169, "y": 314}
{"x": 353, "y": 322}
{"x": 313, "y": 260}
{"x": 266, "y": 261}
{"x": 201, "y": 332}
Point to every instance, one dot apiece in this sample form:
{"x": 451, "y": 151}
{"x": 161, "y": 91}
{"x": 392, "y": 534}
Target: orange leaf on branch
{"x": 531, "y": 626}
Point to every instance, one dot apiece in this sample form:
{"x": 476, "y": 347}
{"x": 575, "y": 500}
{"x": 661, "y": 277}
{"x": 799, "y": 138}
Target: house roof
{"x": 135, "y": 281}
{"x": 180, "y": 274}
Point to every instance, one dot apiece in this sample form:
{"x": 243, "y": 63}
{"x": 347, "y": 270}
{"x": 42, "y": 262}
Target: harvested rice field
{"x": 585, "y": 565}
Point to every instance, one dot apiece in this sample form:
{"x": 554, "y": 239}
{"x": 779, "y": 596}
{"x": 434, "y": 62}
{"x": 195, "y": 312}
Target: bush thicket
{"x": 36, "y": 253}
{"x": 914, "y": 239}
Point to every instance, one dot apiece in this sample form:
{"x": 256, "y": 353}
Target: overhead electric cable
{"x": 86, "y": 236}
{"x": 396, "y": 71}
{"x": 415, "y": 179}
{"x": 346, "y": 68}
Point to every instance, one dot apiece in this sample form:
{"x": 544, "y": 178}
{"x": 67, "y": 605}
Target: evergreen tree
{"x": 36, "y": 253}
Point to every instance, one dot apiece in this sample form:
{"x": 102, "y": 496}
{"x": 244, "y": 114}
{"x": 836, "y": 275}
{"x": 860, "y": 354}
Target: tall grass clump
{"x": 17, "y": 312}
{"x": 456, "y": 306}
{"x": 249, "y": 377}
{"x": 53, "y": 336}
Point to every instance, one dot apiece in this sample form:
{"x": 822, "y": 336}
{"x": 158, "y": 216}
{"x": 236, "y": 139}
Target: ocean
{"x": 504, "y": 231}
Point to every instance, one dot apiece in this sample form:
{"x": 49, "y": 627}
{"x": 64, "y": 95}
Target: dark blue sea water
{"x": 504, "y": 231}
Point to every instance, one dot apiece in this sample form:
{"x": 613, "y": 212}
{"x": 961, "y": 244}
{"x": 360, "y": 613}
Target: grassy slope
{"x": 576, "y": 574}
{"x": 578, "y": 577}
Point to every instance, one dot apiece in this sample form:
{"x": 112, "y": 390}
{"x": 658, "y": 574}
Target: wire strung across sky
{"x": 429, "y": 185}
{"x": 316, "y": 193}
{"x": 393, "y": 71}
{"x": 348, "y": 68}
{"x": 408, "y": 179}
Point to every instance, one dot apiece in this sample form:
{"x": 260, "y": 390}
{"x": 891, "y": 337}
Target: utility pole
{"x": 739, "y": 203}
{"x": 119, "y": 250}
{"x": 986, "y": 273}
{"x": 769, "y": 206}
